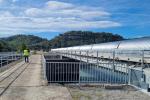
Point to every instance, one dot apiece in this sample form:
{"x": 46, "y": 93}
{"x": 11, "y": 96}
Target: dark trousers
{"x": 26, "y": 58}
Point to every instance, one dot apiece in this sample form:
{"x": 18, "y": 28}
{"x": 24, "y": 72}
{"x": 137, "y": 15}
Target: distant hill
{"x": 74, "y": 38}
{"x": 4, "y": 46}
{"x": 71, "y": 38}
{"x": 14, "y": 43}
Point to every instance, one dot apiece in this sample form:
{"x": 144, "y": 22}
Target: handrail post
{"x": 79, "y": 68}
{"x": 7, "y": 60}
{"x": 113, "y": 60}
{"x": 80, "y": 56}
{"x": 87, "y": 56}
{"x": 97, "y": 57}
{"x": 129, "y": 75}
{"x": 1, "y": 61}
{"x": 142, "y": 65}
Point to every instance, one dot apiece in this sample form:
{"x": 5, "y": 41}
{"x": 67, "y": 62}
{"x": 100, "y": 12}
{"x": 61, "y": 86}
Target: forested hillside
{"x": 73, "y": 38}
{"x": 16, "y": 42}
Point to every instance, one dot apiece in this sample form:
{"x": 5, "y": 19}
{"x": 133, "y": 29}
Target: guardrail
{"x": 44, "y": 67}
{"x": 6, "y": 58}
{"x": 92, "y": 71}
{"x": 137, "y": 56}
{"x": 82, "y": 72}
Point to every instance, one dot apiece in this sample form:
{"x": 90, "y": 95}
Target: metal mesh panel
{"x": 62, "y": 72}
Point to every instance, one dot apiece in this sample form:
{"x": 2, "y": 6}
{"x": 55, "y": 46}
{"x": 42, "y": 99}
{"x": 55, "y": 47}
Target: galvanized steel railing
{"x": 62, "y": 72}
{"x": 81, "y": 72}
{"x": 91, "y": 70}
{"x": 44, "y": 67}
{"x": 6, "y": 58}
{"x": 139, "y": 56}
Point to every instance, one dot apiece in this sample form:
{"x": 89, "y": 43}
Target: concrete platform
{"x": 31, "y": 86}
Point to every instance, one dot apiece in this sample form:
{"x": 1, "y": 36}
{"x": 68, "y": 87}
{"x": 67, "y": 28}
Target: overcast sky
{"x": 48, "y": 18}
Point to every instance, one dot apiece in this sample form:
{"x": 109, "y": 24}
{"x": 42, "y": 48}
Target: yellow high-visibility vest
{"x": 26, "y": 53}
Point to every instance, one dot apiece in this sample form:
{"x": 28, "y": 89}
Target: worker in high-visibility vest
{"x": 26, "y": 55}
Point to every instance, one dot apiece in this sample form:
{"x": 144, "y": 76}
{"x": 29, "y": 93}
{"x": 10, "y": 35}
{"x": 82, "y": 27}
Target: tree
{"x": 1, "y": 47}
{"x": 75, "y": 38}
{"x": 23, "y": 47}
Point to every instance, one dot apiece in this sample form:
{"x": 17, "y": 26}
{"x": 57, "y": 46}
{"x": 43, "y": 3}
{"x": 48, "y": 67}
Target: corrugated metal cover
{"x": 106, "y": 46}
{"x": 136, "y": 44}
{"x": 86, "y": 47}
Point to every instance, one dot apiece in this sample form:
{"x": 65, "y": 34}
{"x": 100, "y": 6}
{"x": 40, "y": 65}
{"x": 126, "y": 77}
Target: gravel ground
{"x": 101, "y": 93}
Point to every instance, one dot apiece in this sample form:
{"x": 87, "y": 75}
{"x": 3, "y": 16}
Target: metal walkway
{"x": 24, "y": 81}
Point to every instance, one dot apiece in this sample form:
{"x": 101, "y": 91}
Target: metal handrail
{"x": 6, "y": 58}
{"x": 44, "y": 67}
